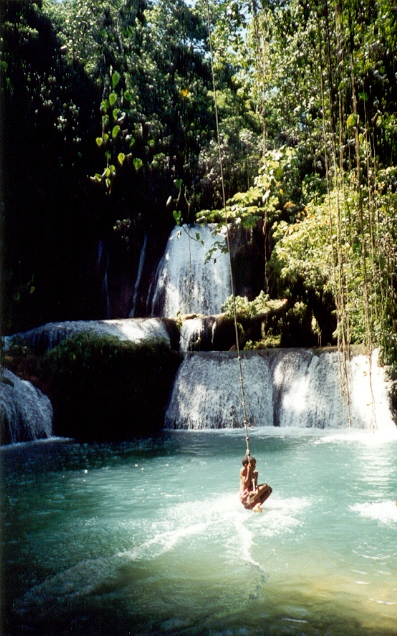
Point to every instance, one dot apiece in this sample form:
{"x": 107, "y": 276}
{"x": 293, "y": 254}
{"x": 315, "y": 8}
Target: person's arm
{"x": 245, "y": 479}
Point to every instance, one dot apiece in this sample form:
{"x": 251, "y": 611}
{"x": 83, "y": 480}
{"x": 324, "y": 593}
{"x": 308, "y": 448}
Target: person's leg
{"x": 263, "y": 492}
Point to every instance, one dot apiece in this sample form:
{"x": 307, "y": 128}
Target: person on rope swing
{"x": 252, "y": 495}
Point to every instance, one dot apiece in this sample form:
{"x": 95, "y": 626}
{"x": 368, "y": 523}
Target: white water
{"x": 25, "y": 412}
{"x": 185, "y": 282}
{"x": 150, "y": 538}
{"x": 197, "y": 331}
{"x": 283, "y": 387}
{"x": 48, "y": 336}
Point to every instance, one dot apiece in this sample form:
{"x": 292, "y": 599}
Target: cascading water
{"x": 149, "y": 537}
{"x": 283, "y": 387}
{"x": 48, "y": 336}
{"x": 138, "y": 276}
{"x": 197, "y": 332}
{"x": 186, "y": 282}
{"x": 25, "y": 412}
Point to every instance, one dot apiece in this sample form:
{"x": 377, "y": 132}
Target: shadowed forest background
{"x": 109, "y": 138}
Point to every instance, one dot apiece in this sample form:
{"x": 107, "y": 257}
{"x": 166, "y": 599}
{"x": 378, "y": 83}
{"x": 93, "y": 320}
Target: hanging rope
{"x": 227, "y": 234}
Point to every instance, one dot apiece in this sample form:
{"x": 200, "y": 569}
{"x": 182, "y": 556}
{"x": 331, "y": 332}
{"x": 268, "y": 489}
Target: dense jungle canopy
{"x": 108, "y": 128}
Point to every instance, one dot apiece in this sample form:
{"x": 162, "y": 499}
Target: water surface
{"x": 150, "y": 538}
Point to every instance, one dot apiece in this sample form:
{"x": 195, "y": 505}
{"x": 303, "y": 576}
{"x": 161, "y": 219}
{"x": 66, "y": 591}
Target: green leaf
{"x": 115, "y": 79}
{"x": 112, "y": 98}
{"x": 128, "y": 95}
{"x": 115, "y": 131}
{"x": 99, "y": 141}
{"x": 137, "y": 163}
{"x": 177, "y": 216}
{"x": 115, "y": 114}
{"x": 351, "y": 120}
{"x": 121, "y": 157}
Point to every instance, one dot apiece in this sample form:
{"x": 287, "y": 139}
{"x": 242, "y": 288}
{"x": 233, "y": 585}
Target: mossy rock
{"x": 106, "y": 389}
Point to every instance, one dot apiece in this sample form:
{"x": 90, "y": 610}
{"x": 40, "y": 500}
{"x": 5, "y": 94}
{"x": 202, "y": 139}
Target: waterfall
{"x": 48, "y": 336}
{"x": 197, "y": 334}
{"x": 25, "y": 412}
{"x": 185, "y": 282}
{"x": 138, "y": 276}
{"x": 283, "y": 387}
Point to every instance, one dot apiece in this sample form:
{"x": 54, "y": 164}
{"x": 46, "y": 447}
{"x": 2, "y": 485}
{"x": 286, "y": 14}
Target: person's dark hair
{"x": 246, "y": 460}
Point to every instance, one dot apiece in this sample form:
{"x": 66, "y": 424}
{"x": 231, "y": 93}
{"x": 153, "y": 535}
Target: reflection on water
{"x": 150, "y": 538}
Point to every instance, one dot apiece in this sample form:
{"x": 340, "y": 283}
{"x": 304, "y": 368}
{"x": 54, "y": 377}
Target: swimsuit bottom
{"x": 244, "y": 498}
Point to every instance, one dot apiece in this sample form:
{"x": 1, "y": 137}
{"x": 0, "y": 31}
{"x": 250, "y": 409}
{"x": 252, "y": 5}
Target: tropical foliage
{"x": 110, "y": 130}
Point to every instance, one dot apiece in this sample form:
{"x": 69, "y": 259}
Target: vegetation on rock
{"x": 103, "y": 388}
{"x": 109, "y": 131}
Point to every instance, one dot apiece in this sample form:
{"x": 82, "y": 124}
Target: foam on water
{"x": 216, "y": 526}
{"x": 152, "y": 538}
{"x": 383, "y": 511}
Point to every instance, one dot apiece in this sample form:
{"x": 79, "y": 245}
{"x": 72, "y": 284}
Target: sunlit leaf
{"x": 351, "y": 120}
{"x": 115, "y": 79}
{"x": 177, "y": 216}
